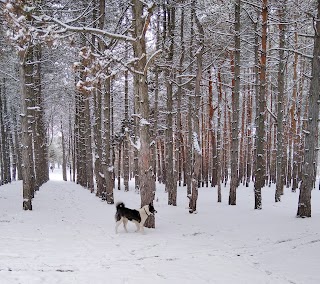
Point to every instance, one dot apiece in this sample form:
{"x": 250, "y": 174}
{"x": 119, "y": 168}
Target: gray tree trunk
{"x": 100, "y": 180}
{"x": 26, "y": 69}
{"x": 146, "y": 180}
{"x": 280, "y": 105}
{"x": 16, "y": 143}
{"x": 126, "y": 143}
{"x": 40, "y": 138}
{"x": 88, "y": 139}
{"x": 5, "y": 146}
{"x": 219, "y": 142}
{"x": 108, "y": 168}
{"x": 98, "y": 169}
{"x": 64, "y": 162}
{"x": 260, "y": 160}
{"x": 196, "y": 124}
{"x": 311, "y": 133}
{"x": 235, "y": 109}
{"x": 171, "y": 186}
{"x": 189, "y": 152}
{"x": 179, "y": 136}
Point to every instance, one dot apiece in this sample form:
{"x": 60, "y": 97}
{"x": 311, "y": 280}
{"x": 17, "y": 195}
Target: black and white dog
{"x": 138, "y": 217}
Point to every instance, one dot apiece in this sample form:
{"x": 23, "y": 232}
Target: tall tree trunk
{"x": 235, "y": 109}
{"x": 311, "y": 133}
{"x": 189, "y": 155}
{"x": 219, "y": 150}
{"x": 212, "y": 137}
{"x": 260, "y": 160}
{"x": 26, "y": 139}
{"x": 108, "y": 167}
{"x": 297, "y": 113}
{"x": 5, "y": 147}
{"x": 40, "y": 138}
{"x": 280, "y": 105}
{"x": 97, "y": 101}
{"x": 126, "y": 144}
{"x": 249, "y": 139}
{"x": 196, "y": 124}
{"x": 256, "y": 72}
{"x": 16, "y": 143}
{"x": 64, "y": 161}
{"x": 171, "y": 186}
{"x": 179, "y": 136}
{"x": 100, "y": 179}
{"x": 147, "y": 183}
{"x": 88, "y": 139}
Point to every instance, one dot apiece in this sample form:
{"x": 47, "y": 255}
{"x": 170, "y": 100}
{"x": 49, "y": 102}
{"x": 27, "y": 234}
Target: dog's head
{"x": 151, "y": 209}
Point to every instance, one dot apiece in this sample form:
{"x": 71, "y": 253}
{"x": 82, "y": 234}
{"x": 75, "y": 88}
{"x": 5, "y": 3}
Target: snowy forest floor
{"x": 69, "y": 237}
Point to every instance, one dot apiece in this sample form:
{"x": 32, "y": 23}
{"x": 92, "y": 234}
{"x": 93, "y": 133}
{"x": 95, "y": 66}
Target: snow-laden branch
{"x": 272, "y": 114}
{"x": 89, "y": 30}
{"x": 157, "y": 52}
{"x": 310, "y": 57}
{"x": 8, "y": 75}
{"x": 136, "y": 145}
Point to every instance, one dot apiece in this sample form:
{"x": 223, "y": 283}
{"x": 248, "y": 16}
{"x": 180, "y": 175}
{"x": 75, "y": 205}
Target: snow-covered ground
{"x": 69, "y": 237}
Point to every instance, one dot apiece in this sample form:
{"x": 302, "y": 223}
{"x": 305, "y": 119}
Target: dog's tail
{"x": 120, "y": 205}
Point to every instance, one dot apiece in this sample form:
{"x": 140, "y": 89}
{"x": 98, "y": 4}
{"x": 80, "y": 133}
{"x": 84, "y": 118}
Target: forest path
{"x": 69, "y": 238}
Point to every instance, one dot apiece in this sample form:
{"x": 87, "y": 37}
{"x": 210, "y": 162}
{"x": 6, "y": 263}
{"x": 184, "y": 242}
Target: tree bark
{"x": 171, "y": 186}
{"x": 235, "y": 109}
{"x": 108, "y": 167}
{"x": 260, "y": 160}
{"x": 311, "y": 132}
{"x": 147, "y": 182}
{"x": 25, "y": 69}
{"x": 196, "y": 124}
{"x": 280, "y": 105}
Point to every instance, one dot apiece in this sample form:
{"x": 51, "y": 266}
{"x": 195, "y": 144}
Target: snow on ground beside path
{"x": 69, "y": 238}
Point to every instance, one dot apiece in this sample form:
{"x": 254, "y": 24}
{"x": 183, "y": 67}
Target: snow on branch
{"x": 94, "y": 69}
{"x": 157, "y": 52}
{"x": 272, "y": 114}
{"x": 89, "y": 30}
{"x": 136, "y": 145}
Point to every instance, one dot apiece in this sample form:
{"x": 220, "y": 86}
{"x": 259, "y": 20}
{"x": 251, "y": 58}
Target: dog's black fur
{"x": 130, "y": 214}
{"x": 123, "y": 214}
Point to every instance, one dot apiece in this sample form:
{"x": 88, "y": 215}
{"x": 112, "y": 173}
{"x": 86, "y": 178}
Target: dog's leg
{"x": 141, "y": 228}
{"x": 118, "y": 224}
{"x": 137, "y": 224}
{"x": 125, "y": 222}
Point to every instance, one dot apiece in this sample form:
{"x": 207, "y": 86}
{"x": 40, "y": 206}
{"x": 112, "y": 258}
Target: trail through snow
{"x": 69, "y": 237}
